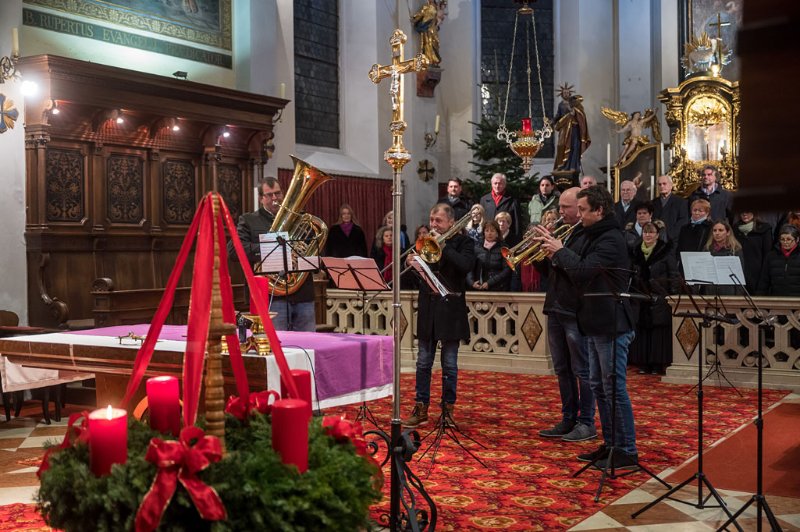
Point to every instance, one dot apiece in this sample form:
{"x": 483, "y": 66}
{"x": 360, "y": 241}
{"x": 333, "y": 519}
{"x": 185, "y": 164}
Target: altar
{"x": 345, "y": 368}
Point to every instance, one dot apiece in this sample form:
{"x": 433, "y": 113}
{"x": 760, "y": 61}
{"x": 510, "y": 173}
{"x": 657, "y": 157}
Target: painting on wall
{"x": 718, "y": 18}
{"x": 206, "y": 22}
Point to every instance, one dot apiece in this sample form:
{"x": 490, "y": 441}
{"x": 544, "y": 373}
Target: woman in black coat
{"x": 656, "y": 275}
{"x": 782, "y": 267}
{"x": 755, "y": 237}
{"x": 346, "y": 238}
{"x": 722, "y": 243}
{"x": 490, "y": 271}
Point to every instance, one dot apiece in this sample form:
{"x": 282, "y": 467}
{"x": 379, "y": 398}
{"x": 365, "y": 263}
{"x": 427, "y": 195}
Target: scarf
{"x": 346, "y": 227}
{"x": 718, "y": 247}
{"x": 700, "y": 221}
{"x": 746, "y": 228}
{"x": 496, "y": 198}
{"x": 387, "y": 263}
{"x": 647, "y": 251}
{"x": 489, "y": 245}
{"x": 787, "y": 252}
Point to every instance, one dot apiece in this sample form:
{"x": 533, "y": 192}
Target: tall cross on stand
{"x": 719, "y": 24}
{"x": 397, "y": 156}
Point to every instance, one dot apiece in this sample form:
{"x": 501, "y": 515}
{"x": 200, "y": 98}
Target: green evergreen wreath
{"x": 259, "y": 492}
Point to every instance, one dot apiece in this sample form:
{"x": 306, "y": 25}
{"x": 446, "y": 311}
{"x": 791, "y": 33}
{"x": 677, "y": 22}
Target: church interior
{"x": 207, "y": 203}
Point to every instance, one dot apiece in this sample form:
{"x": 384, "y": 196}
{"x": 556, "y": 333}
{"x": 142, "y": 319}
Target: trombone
{"x": 530, "y": 250}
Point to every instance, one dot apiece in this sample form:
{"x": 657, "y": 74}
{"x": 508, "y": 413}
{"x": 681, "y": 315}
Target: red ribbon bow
{"x": 343, "y": 431}
{"x": 241, "y": 408}
{"x": 76, "y": 433}
{"x": 181, "y": 461}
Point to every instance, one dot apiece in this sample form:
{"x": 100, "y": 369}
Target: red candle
{"x": 290, "y": 419}
{"x": 302, "y": 379}
{"x": 526, "y": 125}
{"x": 164, "y": 404}
{"x": 108, "y": 439}
{"x": 261, "y": 284}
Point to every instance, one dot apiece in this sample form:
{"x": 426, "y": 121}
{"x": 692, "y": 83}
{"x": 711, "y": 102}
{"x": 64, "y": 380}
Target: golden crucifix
{"x": 397, "y": 156}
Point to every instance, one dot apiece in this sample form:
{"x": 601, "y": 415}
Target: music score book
{"x": 702, "y": 267}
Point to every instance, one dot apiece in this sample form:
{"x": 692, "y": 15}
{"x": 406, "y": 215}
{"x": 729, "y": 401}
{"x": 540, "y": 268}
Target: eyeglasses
{"x": 787, "y": 239}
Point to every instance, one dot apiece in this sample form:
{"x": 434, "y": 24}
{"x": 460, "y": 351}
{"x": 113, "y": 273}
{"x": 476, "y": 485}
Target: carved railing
{"x": 509, "y": 335}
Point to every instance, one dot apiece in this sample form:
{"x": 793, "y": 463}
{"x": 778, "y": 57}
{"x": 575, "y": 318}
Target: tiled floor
{"x": 21, "y": 440}
{"x": 670, "y": 516}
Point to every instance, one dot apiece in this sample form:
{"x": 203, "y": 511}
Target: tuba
{"x": 308, "y": 232}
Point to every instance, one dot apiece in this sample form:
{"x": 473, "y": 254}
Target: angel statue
{"x": 573, "y": 131}
{"x": 426, "y": 22}
{"x": 634, "y": 127}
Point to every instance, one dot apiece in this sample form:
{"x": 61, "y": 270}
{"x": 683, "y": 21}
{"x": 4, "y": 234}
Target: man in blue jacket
{"x": 602, "y": 266}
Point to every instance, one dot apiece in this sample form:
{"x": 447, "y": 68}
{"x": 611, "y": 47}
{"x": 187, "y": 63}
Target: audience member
{"x": 722, "y": 243}
{"x": 623, "y": 208}
{"x": 388, "y": 220}
{"x": 710, "y": 189}
{"x": 656, "y": 270}
{"x": 421, "y": 232}
{"x": 693, "y": 236}
{"x": 498, "y": 201}
{"x": 755, "y": 237}
{"x": 382, "y": 252}
{"x": 490, "y": 271}
{"x": 670, "y": 208}
{"x": 588, "y": 181}
{"x": 782, "y": 267}
{"x": 506, "y": 225}
{"x": 633, "y": 231}
{"x": 456, "y": 199}
{"x": 346, "y": 238}
{"x": 475, "y": 225}
{"x": 546, "y": 199}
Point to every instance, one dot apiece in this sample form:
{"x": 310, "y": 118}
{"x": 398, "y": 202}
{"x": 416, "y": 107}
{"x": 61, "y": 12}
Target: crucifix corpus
{"x": 397, "y": 156}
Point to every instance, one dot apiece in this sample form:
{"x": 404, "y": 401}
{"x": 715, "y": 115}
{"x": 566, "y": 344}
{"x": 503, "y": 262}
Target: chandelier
{"x": 526, "y": 142}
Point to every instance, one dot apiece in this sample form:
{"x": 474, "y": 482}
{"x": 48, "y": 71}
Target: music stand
{"x": 609, "y": 471}
{"x": 269, "y": 243}
{"x": 446, "y": 426}
{"x": 699, "y": 476}
{"x": 361, "y": 274}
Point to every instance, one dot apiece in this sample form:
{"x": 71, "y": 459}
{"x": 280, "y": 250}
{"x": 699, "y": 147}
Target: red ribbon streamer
{"x": 180, "y": 461}
{"x": 241, "y": 408}
{"x": 76, "y": 433}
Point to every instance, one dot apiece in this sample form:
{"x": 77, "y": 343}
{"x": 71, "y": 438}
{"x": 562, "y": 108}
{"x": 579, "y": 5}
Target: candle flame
{"x": 109, "y": 412}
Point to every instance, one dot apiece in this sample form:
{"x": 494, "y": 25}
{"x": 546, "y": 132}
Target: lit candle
{"x": 652, "y": 186}
{"x": 290, "y": 419}
{"x": 302, "y": 379}
{"x": 262, "y": 285}
{"x": 608, "y": 167}
{"x": 164, "y": 404}
{"x": 661, "y": 159}
{"x": 526, "y": 125}
{"x": 436, "y": 127}
{"x": 108, "y": 439}
{"x": 283, "y": 91}
{"x": 14, "y": 42}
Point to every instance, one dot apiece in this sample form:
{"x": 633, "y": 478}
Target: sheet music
{"x": 703, "y": 266}
{"x": 272, "y": 254}
{"x": 433, "y": 281}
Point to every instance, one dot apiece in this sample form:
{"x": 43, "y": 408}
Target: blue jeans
{"x": 303, "y": 315}
{"x": 571, "y": 364}
{"x": 601, "y": 369}
{"x": 427, "y": 352}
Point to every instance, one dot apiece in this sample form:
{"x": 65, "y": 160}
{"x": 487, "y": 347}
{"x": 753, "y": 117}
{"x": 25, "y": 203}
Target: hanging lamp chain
{"x": 502, "y": 132}
{"x": 547, "y": 131}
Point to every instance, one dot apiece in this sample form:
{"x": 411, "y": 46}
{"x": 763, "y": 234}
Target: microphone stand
{"x": 699, "y": 476}
{"x": 765, "y": 323}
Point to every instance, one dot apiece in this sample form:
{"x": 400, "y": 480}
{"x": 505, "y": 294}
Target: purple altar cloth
{"x": 344, "y": 363}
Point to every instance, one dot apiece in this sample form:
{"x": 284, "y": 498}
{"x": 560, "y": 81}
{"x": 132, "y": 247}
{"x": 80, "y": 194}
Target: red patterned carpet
{"x": 528, "y": 484}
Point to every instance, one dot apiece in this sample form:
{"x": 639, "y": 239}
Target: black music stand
{"x": 299, "y": 262}
{"x": 765, "y": 323}
{"x": 361, "y": 274}
{"x": 446, "y": 426}
{"x": 699, "y": 476}
{"x": 609, "y": 471}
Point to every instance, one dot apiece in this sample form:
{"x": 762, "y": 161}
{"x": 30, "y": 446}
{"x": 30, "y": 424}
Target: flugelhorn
{"x": 530, "y": 250}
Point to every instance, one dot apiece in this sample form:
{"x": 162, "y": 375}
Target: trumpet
{"x": 530, "y": 250}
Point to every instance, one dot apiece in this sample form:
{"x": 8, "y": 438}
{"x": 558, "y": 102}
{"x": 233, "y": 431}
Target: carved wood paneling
{"x": 64, "y": 185}
{"x": 125, "y": 189}
{"x": 229, "y": 182}
{"x": 178, "y": 191}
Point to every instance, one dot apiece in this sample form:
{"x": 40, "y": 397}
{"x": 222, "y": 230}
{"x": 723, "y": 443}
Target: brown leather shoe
{"x": 419, "y": 416}
{"x": 449, "y": 409}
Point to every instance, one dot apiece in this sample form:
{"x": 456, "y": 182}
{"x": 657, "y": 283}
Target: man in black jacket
{"x": 601, "y": 266}
{"x": 565, "y": 340}
{"x": 442, "y": 319}
{"x": 624, "y": 208}
{"x": 498, "y": 201}
{"x": 669, "y": 208}
{"x": 300, "y": 305}
{"x": 711, "y": 190}
{"x": 455, "y": 199}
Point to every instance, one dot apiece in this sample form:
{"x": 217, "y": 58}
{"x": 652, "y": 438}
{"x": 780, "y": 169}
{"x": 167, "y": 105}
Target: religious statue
{"x": 426, "y": 22}
{"x": 573, "y": 131}
{"x": 634, "y": 127}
